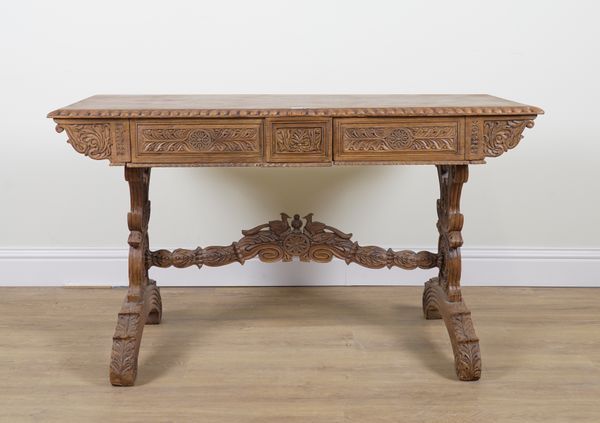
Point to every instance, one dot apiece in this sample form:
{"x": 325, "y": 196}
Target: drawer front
{"x": 197, "y": 141}
{"x": 298, "y": 140}
{"x": 392, "y": 139}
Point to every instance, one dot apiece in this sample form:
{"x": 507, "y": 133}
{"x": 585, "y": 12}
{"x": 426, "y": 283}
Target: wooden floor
{"x": 327, "y": 354}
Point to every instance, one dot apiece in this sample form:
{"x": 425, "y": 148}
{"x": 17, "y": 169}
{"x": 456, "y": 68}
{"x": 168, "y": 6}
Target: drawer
{"x": 398, "y": 139}
{"x": 298, "y": 140}
{"x": 197, "y": 141}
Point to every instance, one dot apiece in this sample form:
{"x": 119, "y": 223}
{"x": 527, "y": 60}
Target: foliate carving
{"x": 91, "y": 139}
{"x": 384, "y": 138}
{"x": 120, "y": 146}
{"x": 284, "y": 239}
{"x": 475, "y": 137}
{"x": 457, "y": 317}
{"x": 450, "y": 222}
{"x": 123, "y": 360}
{"x": 501, "y": 135}
{"x": 142, "y": 303}
{"x": 299, "y": 140}
{"x": 223, "y": 140}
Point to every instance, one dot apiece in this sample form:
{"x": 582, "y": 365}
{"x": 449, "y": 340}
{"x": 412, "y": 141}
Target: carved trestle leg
{"x": 442, "y": 296}
{"x": 142, "y": 304}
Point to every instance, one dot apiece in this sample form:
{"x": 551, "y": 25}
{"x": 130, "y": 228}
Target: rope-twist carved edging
{"x": 281, "y": 240}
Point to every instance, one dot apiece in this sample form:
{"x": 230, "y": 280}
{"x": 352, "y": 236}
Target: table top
{"x": 293, "y": 130}
{"x": 190, "y": 106}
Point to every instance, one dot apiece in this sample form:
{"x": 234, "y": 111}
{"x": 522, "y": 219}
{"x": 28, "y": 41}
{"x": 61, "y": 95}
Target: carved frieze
{"x": 499, "y": 136}
{"x": 209, "y": 139}
{"x": 409, "y": 138}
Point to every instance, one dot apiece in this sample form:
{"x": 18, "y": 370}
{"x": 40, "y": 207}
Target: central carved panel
{"x": 298, "y": 140}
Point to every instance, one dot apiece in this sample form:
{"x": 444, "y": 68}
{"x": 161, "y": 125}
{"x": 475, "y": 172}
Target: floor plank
{"x": 326, "y": 354}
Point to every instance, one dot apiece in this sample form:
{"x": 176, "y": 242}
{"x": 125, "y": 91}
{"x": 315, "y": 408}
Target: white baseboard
{"x": 481, "y": 267}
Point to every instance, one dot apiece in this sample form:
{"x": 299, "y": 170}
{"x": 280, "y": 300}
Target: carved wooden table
{"x": 141, "y": 132}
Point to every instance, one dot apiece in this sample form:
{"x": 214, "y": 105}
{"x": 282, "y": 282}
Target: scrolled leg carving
{"x": 457, "y": 317}
{"x": 442, "y": 298}
{"x": 142, "y": 304}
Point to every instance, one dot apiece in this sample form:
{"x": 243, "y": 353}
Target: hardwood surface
{"x": 327, "y": 354}
{"x": 126, "y": 106}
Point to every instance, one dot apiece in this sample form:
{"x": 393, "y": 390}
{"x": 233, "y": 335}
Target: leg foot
{"x": 128, "y": 334}
{"x": 457, "y": 317}
{"x": 126, "y": 344}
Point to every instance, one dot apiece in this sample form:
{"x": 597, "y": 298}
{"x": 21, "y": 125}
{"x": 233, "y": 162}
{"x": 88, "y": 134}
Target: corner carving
{"x": 282, "y": 240}
{"x": 90, "y": 139}
{"x": 98, "y": 139}
{"x": 499, "y": 136}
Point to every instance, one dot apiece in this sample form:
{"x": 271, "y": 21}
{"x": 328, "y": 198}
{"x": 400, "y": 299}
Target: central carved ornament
{"x": 299, "y": 140}
{"x": 282, "y": 240}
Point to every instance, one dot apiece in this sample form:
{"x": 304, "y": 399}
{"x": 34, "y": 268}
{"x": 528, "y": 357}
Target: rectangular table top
{"x": 182, "y": 106}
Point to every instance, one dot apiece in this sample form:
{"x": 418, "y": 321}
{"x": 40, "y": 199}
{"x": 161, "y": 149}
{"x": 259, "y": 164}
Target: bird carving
{"x": 314, "y": 228}
{"x": 278, "y": 227}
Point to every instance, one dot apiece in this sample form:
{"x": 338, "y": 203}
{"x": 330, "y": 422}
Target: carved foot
{"x": 457, "y": 317}
{"x": 126, "y": 344}
{"x": 128, "y": 334}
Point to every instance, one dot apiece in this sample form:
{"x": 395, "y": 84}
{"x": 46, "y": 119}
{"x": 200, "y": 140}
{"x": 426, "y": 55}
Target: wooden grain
{"x": 326, "y": 354}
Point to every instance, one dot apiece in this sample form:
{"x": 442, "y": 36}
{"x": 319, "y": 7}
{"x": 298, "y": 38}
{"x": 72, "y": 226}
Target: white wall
{"x": 543, "y": 195}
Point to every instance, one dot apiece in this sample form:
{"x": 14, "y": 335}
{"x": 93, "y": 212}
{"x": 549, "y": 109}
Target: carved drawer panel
{"x": 392, "y": 139}
{"x": 298, "y": 140}
{"x": 197, "y": 141}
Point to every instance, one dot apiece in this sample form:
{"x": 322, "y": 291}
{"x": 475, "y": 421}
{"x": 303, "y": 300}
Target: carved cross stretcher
{"x": 448, "y": 131}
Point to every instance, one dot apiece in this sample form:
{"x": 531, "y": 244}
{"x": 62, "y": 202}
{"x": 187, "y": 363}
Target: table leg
{"x": 142, "y": 304}
{"x": 442, "y": 296}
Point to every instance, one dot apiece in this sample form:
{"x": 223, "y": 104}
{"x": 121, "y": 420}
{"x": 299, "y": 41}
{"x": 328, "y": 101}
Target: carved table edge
{"x": 320, "y": 112}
